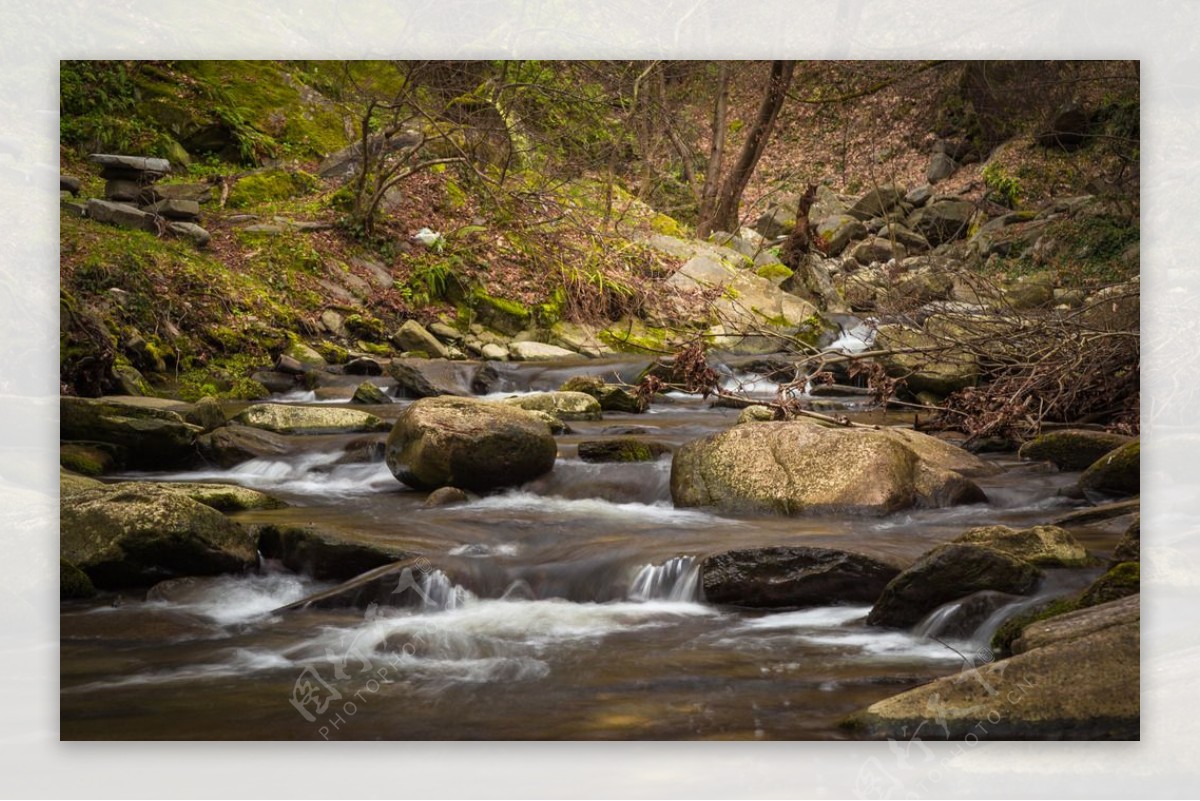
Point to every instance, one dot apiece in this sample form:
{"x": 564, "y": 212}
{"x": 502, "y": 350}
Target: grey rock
{"x": 940, "y": 168}
{"x": 175, "y": 209}
{"x": 187, "y": 230}
{"x": 121, "y": 215}
{"x": 413, "y": 337}
{"x": 66, "y": 183}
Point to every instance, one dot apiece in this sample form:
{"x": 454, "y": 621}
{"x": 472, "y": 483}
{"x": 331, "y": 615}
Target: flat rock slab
{"x": 1073, "y": 688}
{"x": 1081, "y": 623}
{"x": 121, "y": 214}
{"x": 175, "y": 209}
{"x": 138, "y": 167}
{"x": 288, "y": 419}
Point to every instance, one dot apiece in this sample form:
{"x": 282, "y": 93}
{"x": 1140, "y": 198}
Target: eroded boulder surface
{"x": 138, "y": 533}
{"x": 469, "y": 444}
{"x": 945, "y": 574}
{"x": 283, "y": 418}
{"x": 793, "y": 577}
{"x": 143, "y": 435}
{"x": 1077, "y": 679}
{"x": 1045, "y": 546}
{"x": 1072, "y": 449}
{"x": 798, "y": 467}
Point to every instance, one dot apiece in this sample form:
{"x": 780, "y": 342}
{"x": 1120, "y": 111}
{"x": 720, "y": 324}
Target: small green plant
{"x": 1006, "y": 188}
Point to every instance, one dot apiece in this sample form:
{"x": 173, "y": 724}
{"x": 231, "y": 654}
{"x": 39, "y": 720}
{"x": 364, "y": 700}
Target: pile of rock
{"x": 132, "y": 200}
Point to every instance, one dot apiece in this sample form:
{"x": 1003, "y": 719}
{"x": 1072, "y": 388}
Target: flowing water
{"x": 568, "y": 608}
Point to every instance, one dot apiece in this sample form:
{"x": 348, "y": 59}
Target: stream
{"x": 567, "y": 608}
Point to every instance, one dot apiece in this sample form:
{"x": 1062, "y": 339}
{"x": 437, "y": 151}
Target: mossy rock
{"x": 800, "y": 467}
{"x": 566, "y": 406}
{"x": 945, "y": 574}
{"x": 138, "y": 533}
{"x": 611, "y": 398}
{"x": 621, "y": 449}
{"x": 228, "y": 497}
{"x": 143, "y": 436}
{"x": 505, "y": 316}
{"x": 775, "y": 273}
{"x": 1045, "y": 546}
{"x": 283, "y": 418}
{"x": 1129, "y": 549}
{"x": 73, "y": 583}
{"x": 1071, "y": 449}
{"x": 470, "y": 444}
{"x": 1116, "y": 473}
{"x": 85, "y": 459}
{"x": 271, "y": 186}
{"x": 1122, "y": 580}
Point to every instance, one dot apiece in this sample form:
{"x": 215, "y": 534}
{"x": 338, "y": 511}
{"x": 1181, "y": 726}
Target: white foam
{"x": 591, "y": 509}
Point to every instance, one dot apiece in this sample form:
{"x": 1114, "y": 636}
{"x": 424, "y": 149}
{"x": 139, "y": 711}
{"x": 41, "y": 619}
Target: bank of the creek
{"x": 567, "y": 608}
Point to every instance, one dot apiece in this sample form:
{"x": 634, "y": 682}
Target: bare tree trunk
{"x": 716, "y": 155}
{"x": 725, "y": 214}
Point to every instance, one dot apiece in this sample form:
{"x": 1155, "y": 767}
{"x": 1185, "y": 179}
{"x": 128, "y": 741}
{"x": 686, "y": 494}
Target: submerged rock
{"x": 368, "y": 394}
{"x": 469, "y": 444}
{"x": 138, "y": 533}
{"x": 289, "y": 419}
{"x": 793, "y": 577}
{"x": 621, "y": 449}
{"x": 1071, "y": 449}
{"x": 799, "y": 466}
{"x": 445, "y": 497}
{"x": 945, "y": 574}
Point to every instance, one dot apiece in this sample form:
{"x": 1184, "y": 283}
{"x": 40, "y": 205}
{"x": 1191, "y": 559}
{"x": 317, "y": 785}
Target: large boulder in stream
{"x": 1045, "y": 546}
{"x": 1117, "y": 472}
{"x": 945, "y": 574}
{"x": 142, "y": 435}
{"x": 470, "y": 444}
{"x": 139, "y": 533}
{"x": 1077, "y": 679}
{"x": 798, "y": 467}
{"x": 793, "y": 577}
{"x": 1072, "y": 449}
{"x": 283, "y": 418}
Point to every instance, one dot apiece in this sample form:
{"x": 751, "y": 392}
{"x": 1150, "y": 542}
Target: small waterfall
{"x": 937, "y": 620}
{"x": 439, "y": 593}
{"x": 676, "y": 579}
{"x": 973, "y": 619}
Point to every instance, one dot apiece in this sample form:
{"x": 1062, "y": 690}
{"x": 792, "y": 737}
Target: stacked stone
{"x": 134, "y": 202}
